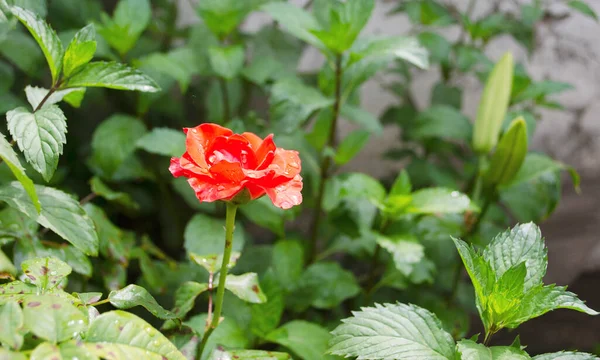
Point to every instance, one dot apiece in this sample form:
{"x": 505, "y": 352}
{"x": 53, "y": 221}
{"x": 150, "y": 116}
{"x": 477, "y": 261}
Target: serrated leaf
{"x": 305, "y": 339}
{"x": 111, "y": 75}
{"x": 185, "y": 298}
{"x": 245, "y": 287}
{"x": 205, "y": 235}
{"x": 438, "y": 201}
{"x": 226, "y": 62}
{"x": 35, "y": 95}
{"x": 392, "y": 331}
{"x": 134, "y": 295}
{"x": 46, "y": 38}
{"x": 583, "y": 8}
{"x": 9, "y": 156}
{"x": 163, "y": 141}
{"x": 11, "y": 318}
{"x": 46, "y": 273}
{"x": 221, "y": 354}
{"x": 101, "y": 189}
{"x": 53, "y": 318}
{"x": 470, "y": 350}
{"x": 128, "y": 337}
{"x": 66, "y": 350}
{"x": 405, "y": 250}
{"x": 81, "y": 49}
{"x": 212, "y": 263}
{"x": 40, "y": 136}
{"x": 60, "y": 213}
{"x": 114, "y": 142}
{"x": 566, "y": 355}
{"x": 523, "y": 243}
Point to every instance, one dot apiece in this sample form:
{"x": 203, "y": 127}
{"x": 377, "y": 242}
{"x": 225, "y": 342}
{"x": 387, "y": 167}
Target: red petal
{"x": 288, "y": 194}
{"x": 286, "y": 163}
{"x": 209, "y": 192}
{"x": 227, "y": 173}
{"x": 265, "y": 153}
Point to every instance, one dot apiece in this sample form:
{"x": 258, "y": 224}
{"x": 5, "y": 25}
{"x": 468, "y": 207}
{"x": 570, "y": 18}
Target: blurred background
{"x": 565, "y": 48}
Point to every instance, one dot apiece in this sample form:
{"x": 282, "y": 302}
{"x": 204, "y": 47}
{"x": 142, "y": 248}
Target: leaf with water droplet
{"x": 134, "y": 295}
{"x": 46, "y": 273}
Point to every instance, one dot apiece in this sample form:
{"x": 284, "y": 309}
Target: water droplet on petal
{"x": 294, "y": 165}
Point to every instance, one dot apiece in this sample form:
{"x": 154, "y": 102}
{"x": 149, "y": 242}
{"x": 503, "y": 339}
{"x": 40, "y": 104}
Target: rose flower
{"x": 221, "y": 165}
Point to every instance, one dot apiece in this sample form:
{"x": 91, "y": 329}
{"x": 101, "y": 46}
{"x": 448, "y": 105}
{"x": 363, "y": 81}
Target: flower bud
{"x": 509, "y": 155}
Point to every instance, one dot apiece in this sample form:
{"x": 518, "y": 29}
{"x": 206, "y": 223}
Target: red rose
{"x": 220, "y": 164}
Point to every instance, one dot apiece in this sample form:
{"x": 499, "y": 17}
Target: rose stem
{"x": 229, "y": 226}
{"x": 326, "y": 161}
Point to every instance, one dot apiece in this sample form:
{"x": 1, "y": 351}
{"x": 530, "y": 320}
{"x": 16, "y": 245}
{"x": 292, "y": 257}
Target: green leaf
{"x": 493, "y": 105}
{"x": 266, "y": 317}
{"x": 67, "y": 350}
{"x": 402, "y": 184}
{"x": 583, "y": 8}
{"x": 470, "y": 350}
{"x": 288, "y": 262}
{"x": 263, "y": 213}
{"x": 9, "y": 355}
{"x": 205, "y": 235}
{"x": 212, "y": 263}
{"x": 40, "y": 136}
{"x": 536, "y": 165}
{"x": 53, "y": 318}
{"x": 35, "y": 6}
{"x": 114, "y": 243}
{"x": 134, "y": 295}
{"x": 185, "y": 298}
{"x": 6, "y": 265}
{"x": 296, "y": 21}
{"x": 11, "y": 318}
{"x": 245, "y": 287}
{"x": 99, "y": 188}
{"x": 180, "y": 64}
{"x": 361, "y": 117}
{"x": 351, "y": 145}
{"x": 228, "y": 334}
{"x": 223, "y": 16}
{"x": 307, "y": 340}
{"x": 128, "y": 337}
{"x": 448, "y": 95}
{"x": 220, "y": 354}
{"x": 438, "y": 201}
{"x": 539, "y": 90}
{"x": 163, "y": 141}
{"x": 111, "y": 75}
{"x": 9, "y": 156}
{"x": 392, "y": 331}
{"x": 60, "y": 213}
{"x": 405, "y": 250}
{"x": 23, "y": 52}
{"x": 385, "y": 49}
{"x": 441, "y": 121}
{"x": 7, "y": 77}
{"x": 46, "y": 273}
{"x": 509, "y": 155}
{"x": 523, "y": 243}
{"x": 114, "y": 141}
{"x": 534, "y": 200}
{"x": 227, "y": 62}
{"x": 35, "y": 95}
{"x": 81, "y": 49}
{"x": 129, "y": 20}
{"x": 324, "y": 285}
{"x": 566, "y": 355}
{"x": 46, "y": 38}
{"x": 439, "y": 48}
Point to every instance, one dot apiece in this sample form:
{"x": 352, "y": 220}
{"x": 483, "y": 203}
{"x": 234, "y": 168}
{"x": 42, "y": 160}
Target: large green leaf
{"x": 441, "y": 122}
{"x": 296, "y": 21}
{"x": 111, "y": 75}
{"x": 226, "y": 62}
{"x": 288, "y": 262}
{"x": 163, "y": 141}
{"x": 266, "y": 317}
{"x": 307, "y": 340}
{"x": 470, "y": 350}
{"x": 9, "y": 156}
{"x": 81, "y": 49}
{"x": 523, "y": 243}
{"x": 60, "y": 213}
{"x": 16, "y": 291}
{"x": 438, "y": 201}
{"x": 67, "y": 350}
{"x": 185, "y": 298}
{"x": 536, "y": 165}
{"x": 205, "y": 235}
{"x": 53, "y": 318}
{"x": 114, "y": 141}
{"x": 46, "y": 273}
{"x": 11, "y": 318}
{"x": 405, "y": 250}
{"x": 263, "y": 213}
{"x": 392, "y": 331}
{"x": 245, "y": 287}
{"x": 566, "y": 355}
{"x": 133, "y": 295}
{"x": 40, "y": 136}
{"x": 128, "y": 337}
{"x": 46, "y": 38}
{"x": 23, "y": 52}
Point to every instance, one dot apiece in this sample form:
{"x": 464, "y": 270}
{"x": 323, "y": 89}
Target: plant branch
{"x": 100, "y": 302}
{"x": 229, "y": 226}
{"x": 326, "y": 162}
{"x": 50, "y": 92}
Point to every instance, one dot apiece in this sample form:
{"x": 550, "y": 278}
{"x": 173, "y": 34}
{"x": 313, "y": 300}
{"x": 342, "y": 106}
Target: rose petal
{"x": 288, "y": 194}
{"x": 286, "y": 163}
{"x": 209, "y": 192}
{"x": 227, "y": 173}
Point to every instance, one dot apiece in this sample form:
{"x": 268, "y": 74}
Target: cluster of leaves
{"x": 144, "y": 238}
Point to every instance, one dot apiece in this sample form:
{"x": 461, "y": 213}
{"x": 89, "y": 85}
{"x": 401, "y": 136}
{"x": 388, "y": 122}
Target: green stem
{"x": 326, "y": 162}
{"x": 100, "y": 302}
{"x": 214, "y": 322}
